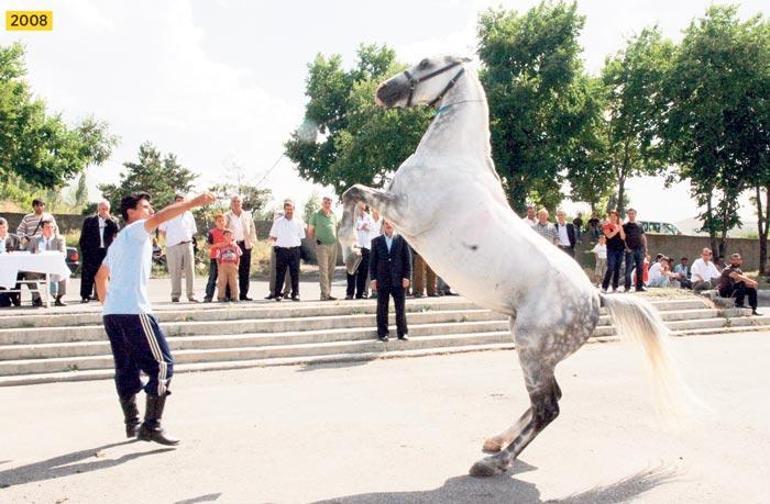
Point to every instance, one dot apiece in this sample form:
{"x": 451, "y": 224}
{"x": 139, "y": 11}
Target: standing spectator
{"x": 31, "y": 225}
{"x": 733, "y": 283}
{"x": 215, "y": 238}
{"x": 545, "y": 228}
{"x": 137, "y": 341}
{"x": 241, "y": 223}
{"x": 616, "y": 244}
{"x": 364, "y": 231}
{"x": 566, "y": 233}
{"x": 286, "y": 234}
{"x": 594, "y": 227}
{"x": 9, "y": 243}
{"x": 578, "y": 223}
{"x": 48, "y": 240}
{"x": 600, "y": 253}
{"x": 424, "y": 278}
{"x": 323, "y": 229}
{"x": 683, "y": 273}
{"x": 273, "y": 269}
{"x": 636, "y": 250}
{"x": 531, "y": 217}
{"x": 228, "y": 254}
{"x": 377, "y": 231}
{"x": 704, "y": 272}
{"x": 180, "y": 257}
{"x": 95, "y": 238}
{"x": 390, "y": 268}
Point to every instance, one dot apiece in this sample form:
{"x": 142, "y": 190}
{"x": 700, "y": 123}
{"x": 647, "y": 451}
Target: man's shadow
{"x": 469, "y": 490}
{"x": 68, "y": 464}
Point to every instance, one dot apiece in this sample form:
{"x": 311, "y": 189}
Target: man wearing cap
{"x": 323, "y": 229}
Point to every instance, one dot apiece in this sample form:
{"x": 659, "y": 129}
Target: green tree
{"x": 36, "y": 147}
{"x": 711, "y": 128}
{"x": 312, "y": 205}
{"x": 632, "y": 85}
{"x": 160, "y": 176}
{"x": 345, "y": 138}
{"x": 541, "y": 107}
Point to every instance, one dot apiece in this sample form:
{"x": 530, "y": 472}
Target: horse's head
{"x": 426, "y": 82}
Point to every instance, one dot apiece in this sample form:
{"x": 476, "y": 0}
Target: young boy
{"x": 137, "y": 341}
{"x": 215, "y": 239}
{"x": 600, "y": 250}
{"x": 228, "y": 256}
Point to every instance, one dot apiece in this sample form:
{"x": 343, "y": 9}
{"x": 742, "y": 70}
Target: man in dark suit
{"x": 565, "y": 232}
{"x": 9, "y": 243}
{"x": 95, "y": 238}
{"x": 390, "y": 266}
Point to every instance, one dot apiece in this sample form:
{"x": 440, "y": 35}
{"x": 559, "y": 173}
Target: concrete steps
{"x": 70, "y": 345}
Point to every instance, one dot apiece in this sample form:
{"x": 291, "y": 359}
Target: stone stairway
{"x": 69, "y": 344}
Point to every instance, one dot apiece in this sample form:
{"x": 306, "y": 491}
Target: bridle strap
{"x": 413, "y": 82}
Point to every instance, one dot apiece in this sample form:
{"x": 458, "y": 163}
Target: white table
{"x": 47, "y": 262}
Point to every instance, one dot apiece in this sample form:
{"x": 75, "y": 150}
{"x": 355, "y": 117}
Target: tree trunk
{"x": 712, "y": 231}
{"x": 763, "y": 220}
{"x": 621, "y": 196}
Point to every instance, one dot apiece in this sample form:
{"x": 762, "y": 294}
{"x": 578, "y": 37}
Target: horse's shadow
{"x": 465, "y": 489}
{"x": 68, "y": 464}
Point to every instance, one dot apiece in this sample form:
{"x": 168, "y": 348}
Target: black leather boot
{"x": 131, "y": 416}
{"x": 151, "y": 429}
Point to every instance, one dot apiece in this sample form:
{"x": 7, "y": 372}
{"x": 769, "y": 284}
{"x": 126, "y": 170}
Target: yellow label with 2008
{"x": 29, "y": 20}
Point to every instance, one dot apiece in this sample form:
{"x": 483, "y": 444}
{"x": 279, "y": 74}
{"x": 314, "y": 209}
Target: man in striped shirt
{"x": 32, "y": 224}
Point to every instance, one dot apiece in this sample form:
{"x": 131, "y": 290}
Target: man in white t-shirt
{"x": 286, "y": 234}
{"x": 704, "y": 272}
{"x": 137, "y": 341}
{"x": 180, "y": 256}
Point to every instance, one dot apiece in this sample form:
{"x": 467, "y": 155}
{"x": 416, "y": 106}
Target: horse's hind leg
{"x": 496, "y": 443}
{"x": 544, "y": 394}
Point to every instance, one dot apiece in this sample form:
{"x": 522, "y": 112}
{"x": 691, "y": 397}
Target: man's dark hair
{"x": 46, "y": 221}
{"x": 684, "y": 259}
{"x": 129, "y": 203}
{"x": 36, "y": 202}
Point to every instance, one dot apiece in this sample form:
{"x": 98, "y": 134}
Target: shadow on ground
{"x": 336, "y": 365}
{"x": 203, "y": 498}
{"x": 468, "y": 490}
{"x": 78, "y": 462}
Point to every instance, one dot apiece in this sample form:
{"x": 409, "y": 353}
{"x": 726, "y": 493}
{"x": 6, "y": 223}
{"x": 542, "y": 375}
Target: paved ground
{"x": 401, "y": 431}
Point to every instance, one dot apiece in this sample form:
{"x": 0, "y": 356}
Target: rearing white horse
{"x": 447, "y": 201}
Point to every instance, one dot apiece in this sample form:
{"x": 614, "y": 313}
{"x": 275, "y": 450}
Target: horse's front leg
{"x": 388, "y": 204}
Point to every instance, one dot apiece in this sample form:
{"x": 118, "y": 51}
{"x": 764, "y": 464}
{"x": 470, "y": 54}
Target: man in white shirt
{"x": 286, "y": 234}
{"x": 531, "y": 217}
{"x": 364, "y": 233}
{"x": 180, "y": 257}
{"x": 245, "y": 235}
{"x": 704, "y": 272}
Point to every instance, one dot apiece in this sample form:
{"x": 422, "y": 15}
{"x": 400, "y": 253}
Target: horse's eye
{"x": 423, "y": 64}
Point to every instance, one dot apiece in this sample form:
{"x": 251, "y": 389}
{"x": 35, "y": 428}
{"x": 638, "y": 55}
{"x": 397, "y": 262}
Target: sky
{"x": 221, "y": 82}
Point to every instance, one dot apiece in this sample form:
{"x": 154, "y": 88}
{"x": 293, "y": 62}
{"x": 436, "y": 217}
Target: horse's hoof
{"x": 486, "y": 468}
{"x": 492, "y": 445}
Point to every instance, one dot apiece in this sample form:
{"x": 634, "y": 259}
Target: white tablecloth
{"x": 46, "y": 262}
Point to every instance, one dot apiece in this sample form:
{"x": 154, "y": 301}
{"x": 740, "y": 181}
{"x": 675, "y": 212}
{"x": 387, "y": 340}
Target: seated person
{"x": 704, "y": 272}
{"x": 50, "y": 241}
{"x": 9, "y": 243}
{"x": 733, "y": 283}
{"x": 682, "y": 270}
{"x": 660, "y": 274}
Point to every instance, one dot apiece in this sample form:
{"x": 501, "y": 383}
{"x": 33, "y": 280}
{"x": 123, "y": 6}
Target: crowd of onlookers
{"x": 617, "y": 243}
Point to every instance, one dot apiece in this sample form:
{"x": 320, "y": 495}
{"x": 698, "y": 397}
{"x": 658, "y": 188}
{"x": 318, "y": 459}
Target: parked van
{"x": 660, "y": 228}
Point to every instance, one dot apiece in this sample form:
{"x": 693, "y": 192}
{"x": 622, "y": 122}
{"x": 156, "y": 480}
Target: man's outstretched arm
{"x": 176, "y": 210}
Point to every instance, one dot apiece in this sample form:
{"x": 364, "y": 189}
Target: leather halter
{"x": 413, "y": 82}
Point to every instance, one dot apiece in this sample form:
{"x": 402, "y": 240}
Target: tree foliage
{"x": 715, "y": 127}
{"x": 540, "y": 99}
{"x": 37, "y": 147}
{"x": 160, "y": 176}
{"x": 345, "y": 138}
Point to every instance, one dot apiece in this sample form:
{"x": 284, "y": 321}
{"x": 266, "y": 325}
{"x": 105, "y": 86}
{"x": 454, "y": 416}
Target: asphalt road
{"x": 404, "y": 430}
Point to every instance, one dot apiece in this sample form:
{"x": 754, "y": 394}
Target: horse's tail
{"x": 636, "y": 319}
